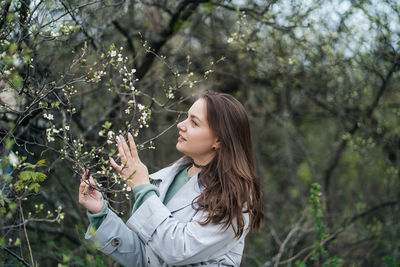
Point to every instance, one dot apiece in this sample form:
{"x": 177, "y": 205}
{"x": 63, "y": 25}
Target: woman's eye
{"x": 194, "y": 123}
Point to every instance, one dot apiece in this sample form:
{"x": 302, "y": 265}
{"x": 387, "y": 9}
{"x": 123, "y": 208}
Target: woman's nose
{"x": 181, "y": 126}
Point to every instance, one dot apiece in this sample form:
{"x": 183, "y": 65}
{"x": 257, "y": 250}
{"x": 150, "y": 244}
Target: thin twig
{"x": 26, "y": 234}
{"x": 16, "y": 256}
{"x": 288, "y": 237}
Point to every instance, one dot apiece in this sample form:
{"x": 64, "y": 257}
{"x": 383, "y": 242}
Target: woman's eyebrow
{"x": 194, "y": 117}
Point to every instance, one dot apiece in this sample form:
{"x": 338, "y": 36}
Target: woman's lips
{"x": 181, "y": 139}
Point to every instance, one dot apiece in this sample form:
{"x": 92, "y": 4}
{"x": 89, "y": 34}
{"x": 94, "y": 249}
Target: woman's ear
{"x": 217, "y": 144}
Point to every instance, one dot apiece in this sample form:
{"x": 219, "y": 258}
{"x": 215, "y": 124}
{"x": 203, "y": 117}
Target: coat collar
{"x": 164, "y": 173}
{"x": 185, "y": 194}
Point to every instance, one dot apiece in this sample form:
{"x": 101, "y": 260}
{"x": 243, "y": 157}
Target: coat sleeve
{"x": 115, "y": 239}
{"x": 176, "y": 242}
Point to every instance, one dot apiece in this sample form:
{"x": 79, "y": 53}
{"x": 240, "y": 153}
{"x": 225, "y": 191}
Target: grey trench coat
{"x": 168, "y": 235}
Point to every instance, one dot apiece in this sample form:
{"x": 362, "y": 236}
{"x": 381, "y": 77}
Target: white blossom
{"x": 113, "y": 53}
{"x": 110, "y": 134}
{"x": 170, "y": 95}
{"x": 13, "y": 159}
{"x": 16, "y": 60}
{"x": 50, "y": 117}
{"x": 50, "y": 138}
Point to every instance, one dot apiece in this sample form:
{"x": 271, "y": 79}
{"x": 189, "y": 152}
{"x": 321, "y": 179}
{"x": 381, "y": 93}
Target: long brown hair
{"x": 232, "y": 187}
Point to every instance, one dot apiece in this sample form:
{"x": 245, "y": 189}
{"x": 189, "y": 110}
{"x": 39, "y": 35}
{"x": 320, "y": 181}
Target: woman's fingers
{"x": 121, "y": 151}
{"x": 84, "y": 176}
{"x": 125, "y": 147}
{"x": 132, "y": 146}
{"x": 83, "y": 184}
{"x": 82, "y": 187}
{"x": 115, "y": 165}
{"x": 91, "y": 183}
{"x": 86, "y": 183}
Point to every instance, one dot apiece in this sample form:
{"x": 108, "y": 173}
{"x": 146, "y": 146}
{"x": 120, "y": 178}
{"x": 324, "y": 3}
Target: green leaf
{"x": 66, "y": 258}
{"x": 13, "y": 206}
{"x": 107, "y": 125}
{"x": 180, "y": 24}
{"x": 35, "y": 187}
{"x": 16, "y": 81}
{"x": 13, "y": 48}
{"x": 40, "y": 163}
{"x": 40, "y": 177}
{"x": 26, "y": 175}
{"x": 28, "y": 165}
{"x": 9, "y": 143}
{"x": 3, "y": 210}
{"x": 207, "y": 8}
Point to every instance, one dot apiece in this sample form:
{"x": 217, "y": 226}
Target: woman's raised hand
{"x": 131, "y": 168}
{"x": 89, "y": 197}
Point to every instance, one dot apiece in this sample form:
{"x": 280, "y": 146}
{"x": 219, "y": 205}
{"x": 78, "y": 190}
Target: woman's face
{"x": 196, "y": 139}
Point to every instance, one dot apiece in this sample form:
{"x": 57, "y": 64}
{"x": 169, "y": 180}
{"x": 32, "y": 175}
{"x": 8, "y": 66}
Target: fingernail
{"x": 120, "y": 137}
{"x": 129, "y": 134}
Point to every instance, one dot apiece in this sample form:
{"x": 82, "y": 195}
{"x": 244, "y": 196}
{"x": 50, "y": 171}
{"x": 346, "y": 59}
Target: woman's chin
{"x": 182, "y": 150}
{"x": 179, "y": 147}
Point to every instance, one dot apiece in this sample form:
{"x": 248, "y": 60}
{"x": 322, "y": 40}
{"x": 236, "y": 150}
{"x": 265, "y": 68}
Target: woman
{"x": 196, "y": 212}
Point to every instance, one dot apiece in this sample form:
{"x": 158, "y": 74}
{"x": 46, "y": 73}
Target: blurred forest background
{"x": 320, "y": 80}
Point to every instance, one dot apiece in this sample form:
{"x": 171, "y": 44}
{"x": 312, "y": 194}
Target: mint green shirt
{"x": 180, "y": 180}
{"x": 141, "y": 193}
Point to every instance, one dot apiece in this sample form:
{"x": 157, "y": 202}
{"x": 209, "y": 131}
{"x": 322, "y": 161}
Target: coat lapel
{"x": 185, "y": 195}
{"x": 164, "y": 178}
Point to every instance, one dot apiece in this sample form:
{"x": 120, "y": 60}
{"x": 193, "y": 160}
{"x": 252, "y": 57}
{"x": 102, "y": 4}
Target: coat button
{"x": 148, "y": 260}
{"x": 115, "y": 242}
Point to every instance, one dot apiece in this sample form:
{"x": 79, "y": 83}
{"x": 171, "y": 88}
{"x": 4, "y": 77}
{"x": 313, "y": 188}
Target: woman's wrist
{"x": 96, "y": 210}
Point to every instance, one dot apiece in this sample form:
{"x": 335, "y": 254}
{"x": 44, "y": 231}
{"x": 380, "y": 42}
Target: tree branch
{"x": 57, "y": 231}
{"x": 16, "y": 256}
{"x": 184, "y": 11}
{"x": 3, "y": 17}
{"x": 347, "y": 222}
{"x": 125, "y": 33}
{"x": 334, "y": 160}
{"x": 92, "y": 41}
